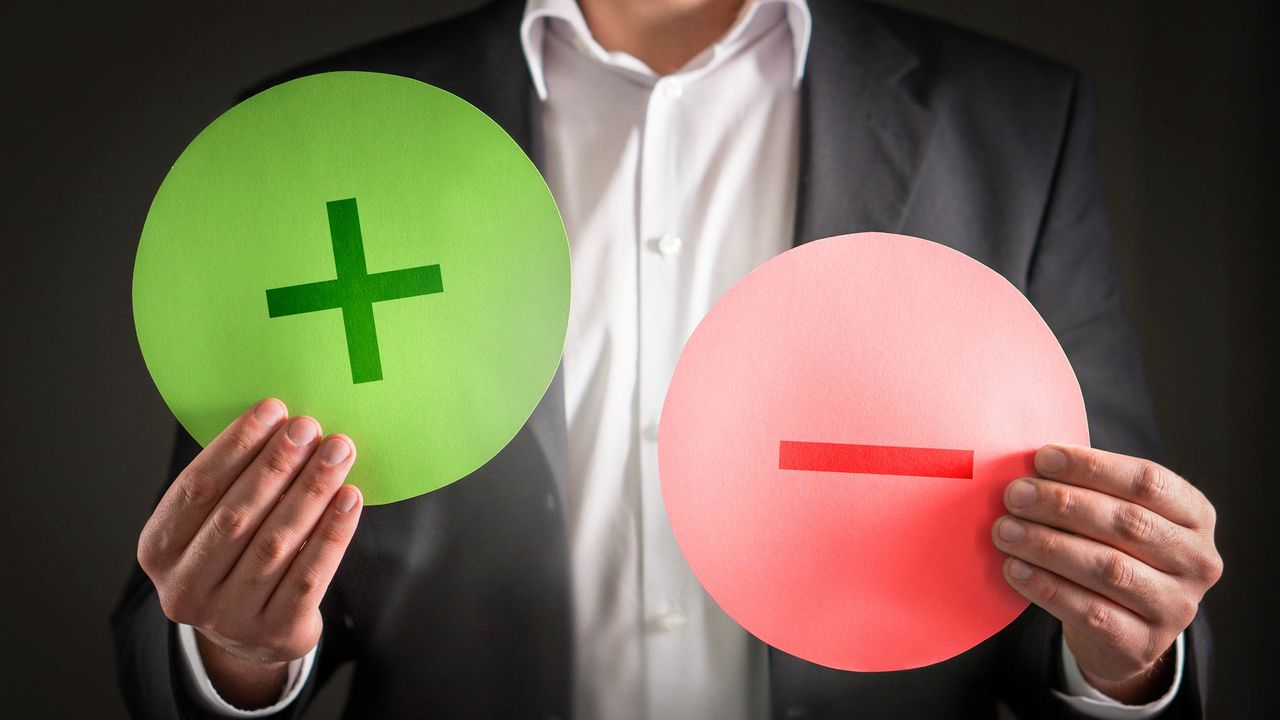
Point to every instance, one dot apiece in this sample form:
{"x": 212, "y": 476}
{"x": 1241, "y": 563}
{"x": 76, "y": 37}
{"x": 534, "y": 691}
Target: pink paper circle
{"x": 865, "y": 339}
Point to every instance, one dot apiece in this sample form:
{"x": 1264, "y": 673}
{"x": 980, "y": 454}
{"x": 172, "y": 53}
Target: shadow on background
{"x": 99, "y": 101}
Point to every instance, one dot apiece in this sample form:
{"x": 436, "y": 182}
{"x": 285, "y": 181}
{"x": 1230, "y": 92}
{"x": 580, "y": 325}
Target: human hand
{"x": 1120, "y": 550}
{"x": 245, "y": 541}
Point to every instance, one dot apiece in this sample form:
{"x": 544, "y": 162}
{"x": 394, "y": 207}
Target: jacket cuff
{"x": 1091, "y": 702}
{"x": 201, "y": 687}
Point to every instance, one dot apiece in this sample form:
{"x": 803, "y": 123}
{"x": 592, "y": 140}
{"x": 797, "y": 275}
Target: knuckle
{"x": 1048, "y": 543}
{"x": 1208, "y": 567}
{"x": 1063, "y": 501}
{"x": 1117, "y": 571}
{"x": 309, "y": 583}
{"x": 1151, "y": 484}
{"x": 177, "y": 604}
{"x": 278, "y": 462}
{"x": 1048, "y": 589}
{"x": 1135, "y": 524}
{"x": 1186, "y": 612}
{"x": 333, "y": 534}
{"x": 197, "y": 488}
{"x": 315, "y": 487}
{"x": 158, "y": 545}
{"x": 1206, "y": 515}
{"x": 1210, "y": 512}
{"x": 149, "y": 553}
{"x": 230, "y": 522}
{"x": 1092, "y": 465}
{"x": 1101, "y": 619}
{"x": 241, "y": 440}
{"x": 273, "y": 547}
{"x": 1216, "y": 567}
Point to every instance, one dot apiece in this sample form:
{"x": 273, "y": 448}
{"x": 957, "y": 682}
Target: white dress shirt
{"x": 671, "y": 189}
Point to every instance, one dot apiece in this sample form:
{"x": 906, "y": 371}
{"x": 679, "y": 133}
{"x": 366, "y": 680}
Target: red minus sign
{"x": 874, "y": 459}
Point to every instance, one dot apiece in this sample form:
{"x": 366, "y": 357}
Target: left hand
{"x": 1120, "y": 550}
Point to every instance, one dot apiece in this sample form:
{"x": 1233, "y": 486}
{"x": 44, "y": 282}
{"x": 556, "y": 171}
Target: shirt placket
{"x": 660, "y": 243}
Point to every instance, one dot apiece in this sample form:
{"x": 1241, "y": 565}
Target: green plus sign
{"x": 354, "y": 291}
{"x": 445, "y": 381}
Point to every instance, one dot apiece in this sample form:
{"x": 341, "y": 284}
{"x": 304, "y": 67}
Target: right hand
{"x": 244, "y": 544}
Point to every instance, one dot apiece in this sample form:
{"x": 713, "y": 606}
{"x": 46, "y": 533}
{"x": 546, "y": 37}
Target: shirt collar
{"x": 537, "y": 13}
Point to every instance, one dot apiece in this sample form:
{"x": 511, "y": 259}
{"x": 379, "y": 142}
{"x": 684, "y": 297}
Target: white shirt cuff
{"x": 202, "y": 687}
{"x": 1085, "y": 698}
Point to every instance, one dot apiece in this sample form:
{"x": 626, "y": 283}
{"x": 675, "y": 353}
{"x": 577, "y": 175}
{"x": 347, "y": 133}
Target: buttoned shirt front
{"x": 671, "y": 188}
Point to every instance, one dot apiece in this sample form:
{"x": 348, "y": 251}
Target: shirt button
{"x": 670, "y": 88}
{"x": 671, "y": 620}
{"x": 651, "y": 432}
{"x": 669, "y": 244}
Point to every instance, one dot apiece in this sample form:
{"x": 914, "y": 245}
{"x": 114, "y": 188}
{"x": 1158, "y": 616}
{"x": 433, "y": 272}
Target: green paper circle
{"x": 435, "y": 182}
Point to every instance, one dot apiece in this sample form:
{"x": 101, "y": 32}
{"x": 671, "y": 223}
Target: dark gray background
{"x": 98, "y": 101}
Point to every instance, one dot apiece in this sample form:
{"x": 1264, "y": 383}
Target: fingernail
{"x": 1011, "y": 530}
{"x": 1021, "y": 493}
{"x": 269, "y": 412}
{"x": 1019, "y": 570}
{"x": 1050, "y": 460}
{"x": 302, "y": 431}
{"x": 347, "y": 497}
{"x": 334, "y": 450}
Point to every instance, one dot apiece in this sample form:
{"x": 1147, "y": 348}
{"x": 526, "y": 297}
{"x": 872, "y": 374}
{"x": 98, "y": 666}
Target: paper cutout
{"x": 299, "y": 246}
{"x": 810, "y": 381}
{"x": 874, "y": 459}
{"x": 354, "y": 291}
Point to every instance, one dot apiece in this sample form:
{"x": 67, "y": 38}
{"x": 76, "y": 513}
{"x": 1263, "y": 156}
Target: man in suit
{"x": 686, "y": 142}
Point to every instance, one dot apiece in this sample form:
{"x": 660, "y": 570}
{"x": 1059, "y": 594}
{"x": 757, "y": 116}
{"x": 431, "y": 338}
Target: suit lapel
{"x": 550, "y": 429}
{"x": 548, "y": 423}
{"x": 864, "y": 131}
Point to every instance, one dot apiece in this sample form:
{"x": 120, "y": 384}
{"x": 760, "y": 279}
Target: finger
{"x": 1102, "y": 621}
{"x": 1139, "y": 481}
{"x": 1119, "y": 523}
{"x": 1104, "y": 570}
{"x": 304, "y": 584}
{"x": 198, "y": 488}
{"x": 226, "y": 532}
{"x": 287, "y": 527}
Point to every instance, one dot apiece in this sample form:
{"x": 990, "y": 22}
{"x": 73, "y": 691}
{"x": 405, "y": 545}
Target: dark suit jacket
{"x": 456, "y": 604}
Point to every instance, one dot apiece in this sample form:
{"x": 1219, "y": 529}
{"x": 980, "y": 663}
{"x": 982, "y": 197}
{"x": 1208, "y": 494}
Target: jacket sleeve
{"x": 1074, "y": 284}
{"x": 148, "y": 665}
